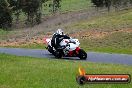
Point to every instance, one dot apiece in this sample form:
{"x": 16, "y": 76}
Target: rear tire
{"x": 50, "y": 49}
{"x": 58, "y": 54}
{"x": 82, "y": 54}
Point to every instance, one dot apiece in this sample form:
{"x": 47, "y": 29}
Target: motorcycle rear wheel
{"x": 58, "y": 54}
{"x": 50, "y": 49}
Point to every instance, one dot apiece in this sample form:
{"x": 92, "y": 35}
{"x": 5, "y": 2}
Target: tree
{"x": 16, "y": 8}
{"x": 5, "y": 14}
{"x": 56, "y": 5}
{"x": 32, "y": 9}
{"x": 107, "y": 4}
{"x": 98, "y": 3}
{"x": 115, "y": 3}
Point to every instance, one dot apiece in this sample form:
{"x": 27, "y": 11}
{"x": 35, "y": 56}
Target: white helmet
{"x": 59, "y": 31}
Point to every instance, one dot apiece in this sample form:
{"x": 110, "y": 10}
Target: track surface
{"x": 92, "y": 56}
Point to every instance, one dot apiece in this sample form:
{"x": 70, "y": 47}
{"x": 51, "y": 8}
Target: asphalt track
{"x": 92, "y": 56}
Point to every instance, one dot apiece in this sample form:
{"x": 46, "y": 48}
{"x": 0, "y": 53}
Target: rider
{"x": 57, "y": 38}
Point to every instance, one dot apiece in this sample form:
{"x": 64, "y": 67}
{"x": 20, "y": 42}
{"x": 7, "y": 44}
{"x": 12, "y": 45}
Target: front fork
{"x": 77, "y": 50}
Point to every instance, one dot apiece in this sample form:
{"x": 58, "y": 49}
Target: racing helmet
{"x": 59, "y": 31}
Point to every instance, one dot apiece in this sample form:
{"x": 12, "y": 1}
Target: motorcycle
{"x": 69, "y": 48}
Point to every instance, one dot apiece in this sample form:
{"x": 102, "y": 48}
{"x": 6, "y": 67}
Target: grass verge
{"x": 112, "y": 21}
{"x": 29, "y": 46}
{"x": 120, "y": 42}
{"x": 27, "y": 72}
{"x": 68, "y": 6}
{"x": 2, "y": 32}
{"x": 114, "y": 43}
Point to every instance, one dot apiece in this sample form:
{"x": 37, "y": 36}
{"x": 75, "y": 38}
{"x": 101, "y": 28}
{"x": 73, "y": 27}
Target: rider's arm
{"x": 66, "y": 37}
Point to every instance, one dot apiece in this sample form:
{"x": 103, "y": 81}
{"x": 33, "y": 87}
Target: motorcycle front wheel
{"x": 82, "y": 54}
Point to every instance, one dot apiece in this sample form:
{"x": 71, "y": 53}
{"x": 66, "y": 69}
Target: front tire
{"x": 82, "y": 54}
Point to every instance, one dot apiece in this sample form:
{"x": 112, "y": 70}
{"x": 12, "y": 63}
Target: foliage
{"x": 32, "y": 9}
{"x": 5, "y": 14}
{"x": 56, "y": 5}
{"x": 109, "y": 3}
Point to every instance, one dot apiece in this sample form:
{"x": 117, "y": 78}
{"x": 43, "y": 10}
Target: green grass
{"x": 3, "y": 32}
{"x": 74, "y": 5}
{"x": 116, "y": 20}
{"x": 120, "y": 42}
{"x": 27, "y": 72}
{"x": 29, "y": 46}
{"x": 115, "y": 43}
{"x": 34, "y": 46}
{"x": 67, "y": 6}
